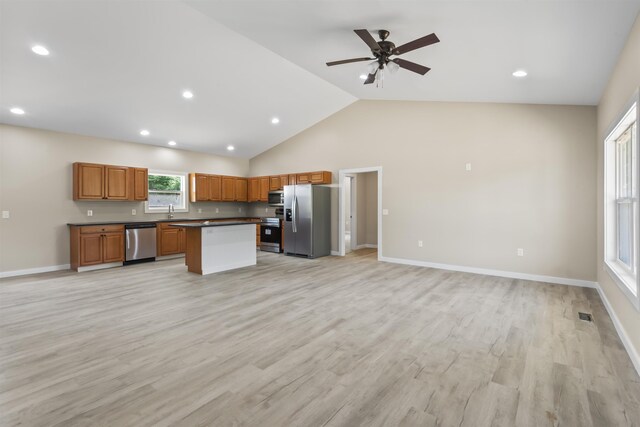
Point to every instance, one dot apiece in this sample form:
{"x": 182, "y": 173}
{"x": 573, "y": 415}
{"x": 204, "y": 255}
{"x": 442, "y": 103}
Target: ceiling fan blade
{"x": 417, "y": 44}
{"x": 346, "y": 61}
{"x": 371, "y": 78}
{"x": 411, "y": 66}
{"x": 366, "y": 37}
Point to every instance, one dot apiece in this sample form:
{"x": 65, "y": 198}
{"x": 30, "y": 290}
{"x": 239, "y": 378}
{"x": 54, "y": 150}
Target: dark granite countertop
{"x": 211, "y": 224}
{"x": 238, "y": 219}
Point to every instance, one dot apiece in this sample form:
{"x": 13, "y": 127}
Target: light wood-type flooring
{"x": 294, "y": 342}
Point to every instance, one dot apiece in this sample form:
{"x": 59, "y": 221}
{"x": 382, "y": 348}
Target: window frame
{"x": 626, "y": 278}
{"x": 184, "y": 191}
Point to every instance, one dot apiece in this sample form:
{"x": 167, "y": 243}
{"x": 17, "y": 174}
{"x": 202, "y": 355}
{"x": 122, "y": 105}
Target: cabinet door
{"x": 284, "y": 180}
{"x": 201, "y": 183}
{"x": 182, "y": 239}
{"x": 303, "y": 178}
{"x": 170, "y": 241}
{"x": 258, "y": 235}
{"x": 292, "y": 180}
{"x": 140, "y": 184}
{"x": 228, "y": 188}
{"x": 113, "y": 247}
{"x": 241, "y": 190}
{"x": 215, "y": 188}
{"x": 89, "y": 181}
{"x": 322, "y": 177}
{"x": 274, "y": 183}
{"x": 116, "y": 182}
{"x": 254, "y": 190}
{"x": 264, "y": 189}
{"x": 90, "y": 249}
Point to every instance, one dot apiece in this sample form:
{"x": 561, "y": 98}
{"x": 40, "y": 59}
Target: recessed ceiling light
{"x": 40, "y": 50}
{"x": 275, "y": 120}
{"x": 230, "y": 147}
{"x": 18, "y": 111}
{"x": 172, "y": 143}
{"x": 519, "y": 73}
{"x": 144, "y": 132}
{"x": 363, "y": 77}
{"x": 187, "y": 94}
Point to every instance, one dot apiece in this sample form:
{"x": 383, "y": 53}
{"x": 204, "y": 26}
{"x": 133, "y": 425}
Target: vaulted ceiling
{"x": 117, "y": 67}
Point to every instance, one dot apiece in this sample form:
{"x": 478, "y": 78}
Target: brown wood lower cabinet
{"x": 93, "y": 245}
{"x": 170, "y": 240}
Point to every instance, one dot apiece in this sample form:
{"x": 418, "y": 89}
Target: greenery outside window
{"x": 167, "y": 189}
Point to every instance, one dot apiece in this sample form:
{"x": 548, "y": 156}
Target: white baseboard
{"x": 622, "y": 333}
{"x": 335, "y": 253}
{"x": 36, "y": 270}
{"x": 499, "y": 273}
{"x": 367, "y": 245}
{"x": 100, "y": 266}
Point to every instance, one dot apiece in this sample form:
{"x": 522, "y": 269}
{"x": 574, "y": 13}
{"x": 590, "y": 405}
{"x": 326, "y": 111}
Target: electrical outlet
{"x": 89, "y": 212}
{"x": 239, "y": 209}
{"x": 5, "y": 215}
{"x": 217, "y": 210}
{"x": 133, "y": 212}
{"x": 419, "y": 243}
{"x": 385, "y": 211}
{"x": 199, "y": 210}
{"x": 266, "y": 210}
{"x": 520, "y": 252}
{"x": 467, "y": 166}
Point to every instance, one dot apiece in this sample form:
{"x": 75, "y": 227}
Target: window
{"x": 167, "y": 189}
{"x": 622, "y": 214}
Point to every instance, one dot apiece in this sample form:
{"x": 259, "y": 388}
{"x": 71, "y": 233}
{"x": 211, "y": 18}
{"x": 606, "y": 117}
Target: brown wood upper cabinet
{"x": 275, "y": 183}
{"x": 253, "y": 190}
{"x": 140, "y": 184}
{"x": 228, "y": 188}
{"x": 205, "y": 188}
{"x": 241, "y": 189}
{"x": 264, "y": 189}
{"x": 93, "y": 181}
{"x": 320, "y": 177}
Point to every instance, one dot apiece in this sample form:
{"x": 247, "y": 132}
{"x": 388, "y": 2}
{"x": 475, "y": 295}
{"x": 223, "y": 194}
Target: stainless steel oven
{"x": 270, "y": 235}
{"x": 276, "y": 198}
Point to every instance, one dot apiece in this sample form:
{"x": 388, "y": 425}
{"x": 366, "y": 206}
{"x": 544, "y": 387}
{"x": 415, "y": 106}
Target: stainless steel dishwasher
{"x": 139, "y": 242}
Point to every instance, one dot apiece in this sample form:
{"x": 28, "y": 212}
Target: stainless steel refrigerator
{"x": 307, "y": 220}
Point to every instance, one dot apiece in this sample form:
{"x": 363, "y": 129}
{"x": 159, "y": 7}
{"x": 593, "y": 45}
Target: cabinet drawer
{"x": 101, "y": 229}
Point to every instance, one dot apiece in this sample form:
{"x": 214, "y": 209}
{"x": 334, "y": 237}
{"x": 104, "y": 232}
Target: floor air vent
{"x": 585, "y": 316}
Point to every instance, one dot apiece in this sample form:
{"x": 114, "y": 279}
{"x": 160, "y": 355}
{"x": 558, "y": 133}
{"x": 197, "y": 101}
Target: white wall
{"x": 36, "y": 187}
{"x": 532, "y": 183}
{"x": 624, "y": 81}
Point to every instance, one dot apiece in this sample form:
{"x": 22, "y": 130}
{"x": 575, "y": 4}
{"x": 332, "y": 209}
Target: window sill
{"x": 620, "y": 278}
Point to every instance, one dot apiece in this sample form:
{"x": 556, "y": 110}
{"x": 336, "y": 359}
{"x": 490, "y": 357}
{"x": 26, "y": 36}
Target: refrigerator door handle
{"x": 127, "y": 234}
{"x": 294, "y": 213}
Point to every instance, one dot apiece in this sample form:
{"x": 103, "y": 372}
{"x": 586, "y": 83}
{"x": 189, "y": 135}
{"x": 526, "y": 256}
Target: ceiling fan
{"x": 383, "y": 50}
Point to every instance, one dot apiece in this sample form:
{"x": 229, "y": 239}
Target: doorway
{"x": 360, "y": 210}
{"x": 350, "y": 213}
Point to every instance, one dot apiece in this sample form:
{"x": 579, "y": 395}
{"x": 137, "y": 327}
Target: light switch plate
{"x": 468, "y": 166}
{"x": 520, "y": 252}
{"x": 199, "y": 210}
{"x": 419, "y": 243}
{"x": 5, "y": 215}
{"x": 239, "y": 209}
{"x": 217, "y": 210}
{"x": 89, "y": 212}
{"x": 385, "y": 211}
{"x": 133, "y": 212}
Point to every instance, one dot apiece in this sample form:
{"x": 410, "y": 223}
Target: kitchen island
{"x": 219, "y": 246}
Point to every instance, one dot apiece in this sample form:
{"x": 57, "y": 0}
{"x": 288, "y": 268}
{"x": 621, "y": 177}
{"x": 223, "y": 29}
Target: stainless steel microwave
{"x": 276, "y": 198}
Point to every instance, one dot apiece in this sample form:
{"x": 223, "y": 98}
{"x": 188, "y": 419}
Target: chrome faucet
{"x": 171, "y": 211}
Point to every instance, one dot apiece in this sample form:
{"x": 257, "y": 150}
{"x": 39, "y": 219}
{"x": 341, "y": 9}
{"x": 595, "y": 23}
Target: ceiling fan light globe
{"x": 392, "y": 67}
